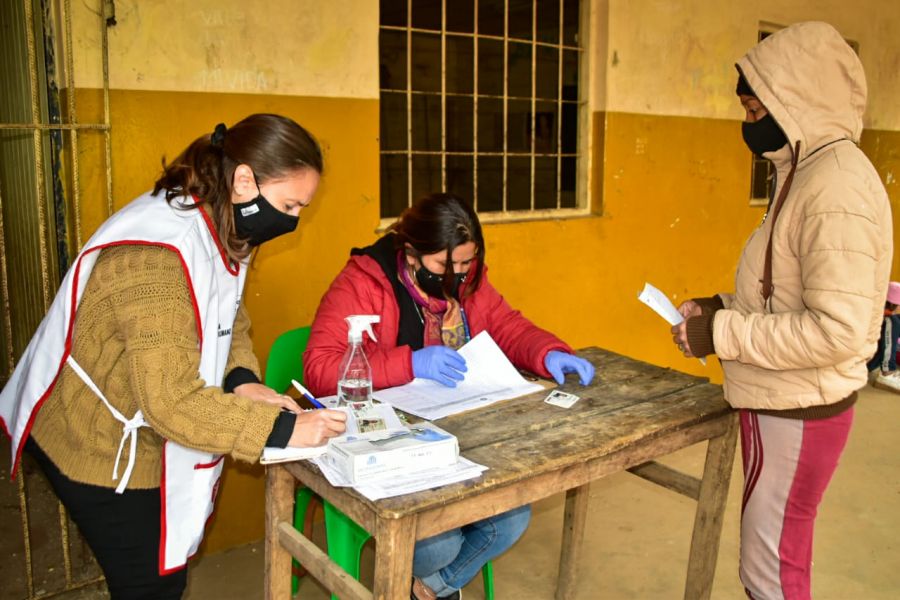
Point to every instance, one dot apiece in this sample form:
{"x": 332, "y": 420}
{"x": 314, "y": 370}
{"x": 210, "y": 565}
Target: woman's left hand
{"x": 261, "y": 393}
{"x": 679, "y": 336}
{"x": 559, "y": 363}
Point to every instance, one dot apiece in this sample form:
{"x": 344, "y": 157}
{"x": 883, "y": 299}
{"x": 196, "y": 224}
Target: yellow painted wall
{"x": 677, "y": 57}
{"x": 668, "y": 160}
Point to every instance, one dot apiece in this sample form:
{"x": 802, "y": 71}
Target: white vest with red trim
{"x": 189, "y": 477}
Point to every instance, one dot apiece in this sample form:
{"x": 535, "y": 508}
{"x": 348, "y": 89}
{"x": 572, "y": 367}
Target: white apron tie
{"x": 129, "y": 427}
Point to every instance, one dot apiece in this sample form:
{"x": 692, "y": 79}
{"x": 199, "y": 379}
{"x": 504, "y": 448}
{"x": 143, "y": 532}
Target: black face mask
{"x": 433, "y": 284}
{"x": 763, "y": 135}
{"x": 258, "y": 221}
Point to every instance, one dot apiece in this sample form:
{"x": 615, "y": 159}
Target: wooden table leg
{"x": 279, "y": 507}
{"x": 573, "y": 535}
{"x": 395, "y": 540}
{"x": 710, "y": 510}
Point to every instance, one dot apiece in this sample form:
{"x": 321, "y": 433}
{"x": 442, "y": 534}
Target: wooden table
{"x": 632, "y": 413}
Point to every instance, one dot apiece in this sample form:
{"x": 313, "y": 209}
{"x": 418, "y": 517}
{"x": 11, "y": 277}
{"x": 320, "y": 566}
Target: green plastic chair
{"x": 344, "y": 537}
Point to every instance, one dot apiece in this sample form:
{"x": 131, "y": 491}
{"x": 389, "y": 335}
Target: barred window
{"x": 481, "y": 98}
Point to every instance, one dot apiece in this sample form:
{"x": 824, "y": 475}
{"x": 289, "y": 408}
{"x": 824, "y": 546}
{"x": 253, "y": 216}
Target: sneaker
{"x": 457, "y": 595}
{"x": 889, "y": 382}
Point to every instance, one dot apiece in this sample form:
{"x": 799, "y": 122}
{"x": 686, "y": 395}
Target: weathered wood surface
{"x": 629, "y": 403}
{"x": 279, "y": 509}
{"x": 632, "y": 413}
{"x": 393, "y": 557}
{"x": 573, "y": 537}
{"x": 320, "y": 566}
{"x": 669, "y": 478}
{"x": 710, "y": 512}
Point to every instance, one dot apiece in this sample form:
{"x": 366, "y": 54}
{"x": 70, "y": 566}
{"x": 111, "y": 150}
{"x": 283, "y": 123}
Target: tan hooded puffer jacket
{"x": 832, "y": 244}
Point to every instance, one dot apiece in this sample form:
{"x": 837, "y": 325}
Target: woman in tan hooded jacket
{"x": 795, "y": 336}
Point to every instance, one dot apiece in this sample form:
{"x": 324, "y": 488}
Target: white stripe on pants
{"x": 788, "y": 464}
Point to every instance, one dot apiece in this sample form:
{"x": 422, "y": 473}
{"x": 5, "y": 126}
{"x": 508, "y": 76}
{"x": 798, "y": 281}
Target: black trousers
{"x": 121, "y": 529}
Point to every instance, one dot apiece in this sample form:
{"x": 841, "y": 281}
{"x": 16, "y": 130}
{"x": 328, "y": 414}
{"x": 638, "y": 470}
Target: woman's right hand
{"x": 315, "y": 427}
{"x": 689, "y": 309}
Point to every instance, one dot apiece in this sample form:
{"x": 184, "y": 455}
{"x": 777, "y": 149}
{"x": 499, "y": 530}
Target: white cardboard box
{"x": 426, "y": 446}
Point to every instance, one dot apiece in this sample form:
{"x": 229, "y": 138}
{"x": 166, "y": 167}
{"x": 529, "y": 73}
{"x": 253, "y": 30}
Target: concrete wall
{"x": 670, "y": 173}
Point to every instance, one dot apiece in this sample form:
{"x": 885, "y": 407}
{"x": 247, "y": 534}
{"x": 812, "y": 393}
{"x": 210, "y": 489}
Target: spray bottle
{"x": 355, "y": 383}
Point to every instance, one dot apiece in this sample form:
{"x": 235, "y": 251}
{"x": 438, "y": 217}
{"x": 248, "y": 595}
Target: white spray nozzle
{"x": 360, "y": 323}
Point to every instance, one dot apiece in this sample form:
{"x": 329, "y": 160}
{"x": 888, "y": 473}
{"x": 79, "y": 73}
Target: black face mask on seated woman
{"x": 258, "y": 221}
{"x": 433, "y": 284}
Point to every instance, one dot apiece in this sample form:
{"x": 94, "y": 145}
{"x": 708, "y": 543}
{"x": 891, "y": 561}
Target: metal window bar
{"x": 409, "y": 152}
{"x": 465, "y": 95}
{"x": 483, "y": 36}
{"x": 505, "y": 97}
{"x": 533, "y": 94}
{"x": 443, "y": 96}
{"x": 559, "y": 113}
{"x": 475, "y": 38}
{"x": 48, "y": 288}
{"x": 505, "y": 153}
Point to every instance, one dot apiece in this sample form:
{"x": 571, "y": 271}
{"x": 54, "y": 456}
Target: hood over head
{"x": 811, "y": 82}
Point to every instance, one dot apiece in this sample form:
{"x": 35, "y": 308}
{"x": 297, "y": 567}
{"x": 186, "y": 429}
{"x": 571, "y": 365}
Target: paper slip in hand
{"x": 660, "y": 303}
{"x": 563, "y": 399}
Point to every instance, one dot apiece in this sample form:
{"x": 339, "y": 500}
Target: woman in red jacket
{"x": 427, "y": 280}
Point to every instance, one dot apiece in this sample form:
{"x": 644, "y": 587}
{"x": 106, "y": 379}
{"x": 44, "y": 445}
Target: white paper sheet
{"x": 490, "y": 378}
{"x": 660, "y": 303}
{"x": 413, "y": 482}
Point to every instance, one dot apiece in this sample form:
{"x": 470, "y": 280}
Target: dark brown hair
{"x": 271, "y": 145}
{"x": 441, "y": 222}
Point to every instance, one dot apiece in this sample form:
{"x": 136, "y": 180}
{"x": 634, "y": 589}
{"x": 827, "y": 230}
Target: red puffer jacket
{"x": 362, "y": 288}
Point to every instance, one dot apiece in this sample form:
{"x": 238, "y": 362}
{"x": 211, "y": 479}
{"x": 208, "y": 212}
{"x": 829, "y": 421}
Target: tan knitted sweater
{"x": 136, "y": 336}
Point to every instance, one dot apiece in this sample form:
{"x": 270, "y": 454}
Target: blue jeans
{"x": 448, "y": 561}
{"x": 886, "y": 355}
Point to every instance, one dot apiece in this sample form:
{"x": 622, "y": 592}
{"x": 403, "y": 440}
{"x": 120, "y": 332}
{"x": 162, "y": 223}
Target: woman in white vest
{"x": 142, "y": 375}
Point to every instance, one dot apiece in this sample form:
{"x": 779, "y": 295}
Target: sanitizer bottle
{"x": 355, "y": 383}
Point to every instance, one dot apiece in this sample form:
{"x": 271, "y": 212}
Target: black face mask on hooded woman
{"x": 763, "y": 136}
{"x": 258, "y": 221}
{"x": 433, "y": 284}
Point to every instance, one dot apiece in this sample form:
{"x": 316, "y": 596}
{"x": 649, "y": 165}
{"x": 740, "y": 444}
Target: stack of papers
{"x": 407, "y": 474}
{"x": 397, "y": 485}
{"x": 390, "y": 425}
{"x": 490, "y": 378}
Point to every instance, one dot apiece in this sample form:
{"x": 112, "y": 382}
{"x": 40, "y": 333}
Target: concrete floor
{"x": 637, "y": 537}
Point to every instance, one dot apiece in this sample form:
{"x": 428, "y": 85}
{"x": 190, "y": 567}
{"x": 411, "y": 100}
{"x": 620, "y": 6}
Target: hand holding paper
{"x": 660, "y": 303}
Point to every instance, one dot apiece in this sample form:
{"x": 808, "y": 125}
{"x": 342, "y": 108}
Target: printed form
{"x": 490, "y": 378}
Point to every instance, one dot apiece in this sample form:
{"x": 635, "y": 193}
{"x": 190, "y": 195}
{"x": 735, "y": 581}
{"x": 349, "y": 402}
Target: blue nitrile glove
{"x": 439, "y": 363}
{"x": 560, "y": 363}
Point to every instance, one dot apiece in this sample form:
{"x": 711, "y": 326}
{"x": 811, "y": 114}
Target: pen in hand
{"x": 299, "y": 387}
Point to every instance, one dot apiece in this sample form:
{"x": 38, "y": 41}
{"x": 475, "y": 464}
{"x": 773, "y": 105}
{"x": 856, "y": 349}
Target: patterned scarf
{"x": 443, "y": 319}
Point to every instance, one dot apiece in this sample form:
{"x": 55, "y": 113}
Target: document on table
{"x": 384, "y": 412}
{"x": 660, "y": 303}
{"x": 415, "y": 481}
{"x": 490, "y": 378}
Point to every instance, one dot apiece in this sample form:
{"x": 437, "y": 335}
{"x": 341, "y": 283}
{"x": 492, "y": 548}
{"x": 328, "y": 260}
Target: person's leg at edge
{"x": 122, "y": 530}
{"x": 479, "y": 542}
{"x": 880, "y": 358}
{"x": 794, "y": 462}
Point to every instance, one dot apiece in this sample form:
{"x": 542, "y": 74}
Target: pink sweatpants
{"x": 787, "y": 466}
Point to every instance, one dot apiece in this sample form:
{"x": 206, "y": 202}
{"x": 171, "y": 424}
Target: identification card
{"x": 563, "y": 399}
